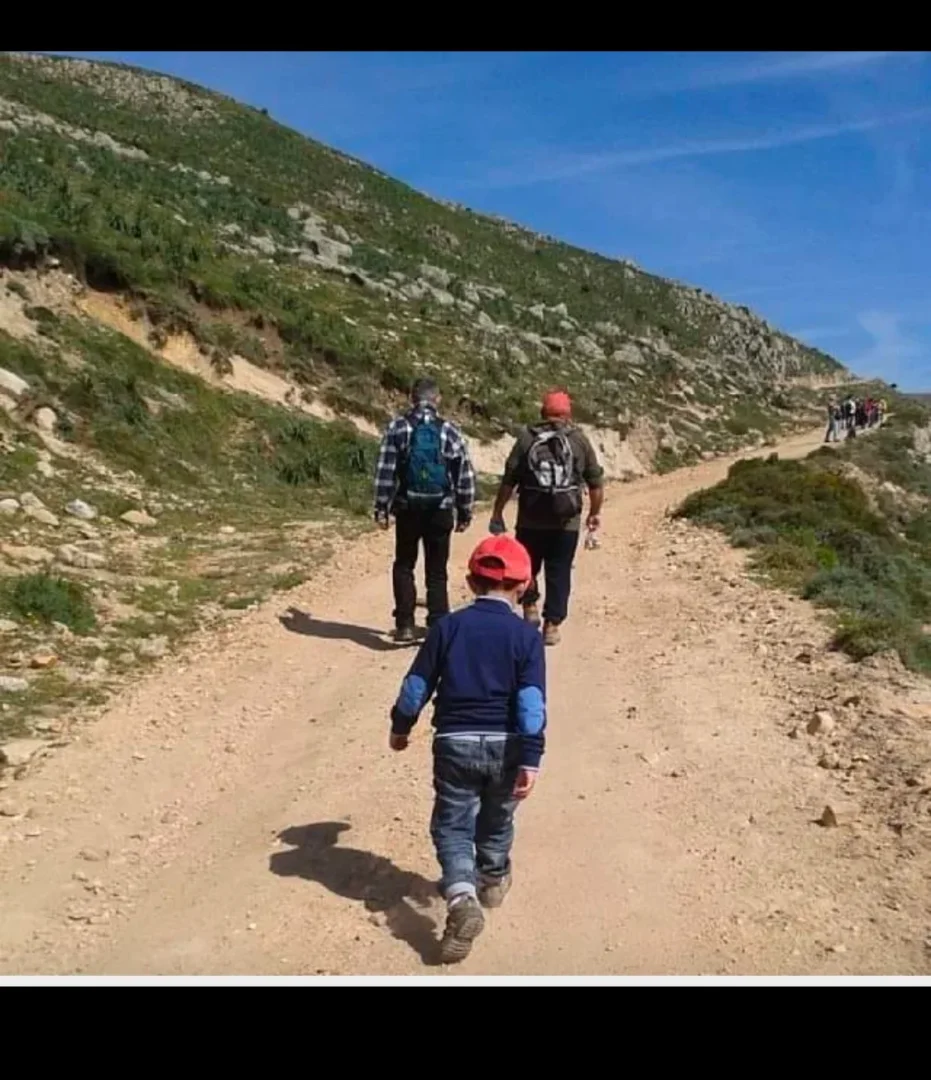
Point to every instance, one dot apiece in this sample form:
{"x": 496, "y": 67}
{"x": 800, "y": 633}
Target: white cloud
{"x": 895, "y": 355}
{"x": 802, "y": 65}
{"x": 544, "y": 168}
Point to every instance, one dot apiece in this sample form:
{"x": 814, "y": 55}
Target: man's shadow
{"x": 359, "y": 875}
{"x": 300, "y": 622}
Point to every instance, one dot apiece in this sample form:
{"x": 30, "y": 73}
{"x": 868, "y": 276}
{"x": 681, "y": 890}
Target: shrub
{"x": 50, "y": 599}
{"x": 813, "y": 530}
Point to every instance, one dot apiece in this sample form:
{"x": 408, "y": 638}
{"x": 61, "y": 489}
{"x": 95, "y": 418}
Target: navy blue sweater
{"x": 486, "y": 667}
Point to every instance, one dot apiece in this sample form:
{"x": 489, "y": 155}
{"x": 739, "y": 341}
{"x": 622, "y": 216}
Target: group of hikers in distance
{"x": 853, "y": 414}
{"x": 484, "y": 664}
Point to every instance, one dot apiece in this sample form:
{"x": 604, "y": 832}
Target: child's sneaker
{"x": 492, "y": 891}
{"x": 532, "y": 614}
{"x": 464, "y": 922}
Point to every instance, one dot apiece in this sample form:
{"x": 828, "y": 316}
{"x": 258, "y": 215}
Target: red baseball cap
{"x": 500, "y": 558}
{"x": 557, "y": 403}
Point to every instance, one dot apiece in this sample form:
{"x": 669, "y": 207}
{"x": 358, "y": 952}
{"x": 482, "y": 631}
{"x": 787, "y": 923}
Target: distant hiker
{"x": 426, "y": 480}
{"x": 487, "y": 670}
{"x": 548, "y": 465}
{"x": 850, "y": 412}
{"x": 834, "y": 418}
{"x": 883, "y": 408}
{"x": 861, "y": 413}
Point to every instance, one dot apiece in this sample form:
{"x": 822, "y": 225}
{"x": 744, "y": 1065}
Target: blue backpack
{"x": 426, "y": 473}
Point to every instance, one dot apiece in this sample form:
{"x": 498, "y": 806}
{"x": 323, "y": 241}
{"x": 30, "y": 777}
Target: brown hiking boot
{"x": 551, "y": 634}
{"x": 464, "y": 923}
{"x": 532, "y": 614}
{"x": 492, "y": 891}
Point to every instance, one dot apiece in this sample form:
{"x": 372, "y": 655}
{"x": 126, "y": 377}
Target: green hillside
{"x": 265, "y": 244}
{"x": 204, "y": 319}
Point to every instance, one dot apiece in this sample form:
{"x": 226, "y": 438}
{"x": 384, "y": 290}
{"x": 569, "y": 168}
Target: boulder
{"x": 80, "y": 509}
{"x": 589, "y": 347}
{"x": 436, "y": 275}
{"x": 12, "y": 383}
{"x": 46, "y": 419}
{"x": 21, "y": 751}
{"x": 25, "y": 554}
{"x": 42, "y": 515}
{"x": 138, "y": 517}
{"x": 72, "y": 555}
{"x": 153, "y": 648}
{"x": 12, "y": 684}
{"x": 28, "y": 501}
{"x": 821, "y": 723}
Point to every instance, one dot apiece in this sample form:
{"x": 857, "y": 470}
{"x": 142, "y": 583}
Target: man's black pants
{"x": 554, "y": 551}
{"x": 433, "y": 528}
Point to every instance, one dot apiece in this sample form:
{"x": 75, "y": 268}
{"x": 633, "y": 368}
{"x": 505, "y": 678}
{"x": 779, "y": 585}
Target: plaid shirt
{"x": 394, "y": 445}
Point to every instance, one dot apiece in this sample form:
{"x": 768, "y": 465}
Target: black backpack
{"x": 549, "y": 486}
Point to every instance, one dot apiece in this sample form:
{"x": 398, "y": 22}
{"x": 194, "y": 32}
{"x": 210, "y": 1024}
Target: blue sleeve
{"x": 531, "y": 703}
{"x": 419, "y": 684}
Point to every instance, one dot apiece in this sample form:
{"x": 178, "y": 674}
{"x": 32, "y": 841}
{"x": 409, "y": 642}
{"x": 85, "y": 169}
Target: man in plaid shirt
{"x": 422, "y": 519}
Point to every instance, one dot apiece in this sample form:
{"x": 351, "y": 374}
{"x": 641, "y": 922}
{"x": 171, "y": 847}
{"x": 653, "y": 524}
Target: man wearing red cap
{"x": 548, "y": 466}
{"x": 487, "y": 670}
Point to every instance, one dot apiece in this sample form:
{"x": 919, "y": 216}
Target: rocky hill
{"x": 261, "y": 244}
{"x": 204, "y": 319}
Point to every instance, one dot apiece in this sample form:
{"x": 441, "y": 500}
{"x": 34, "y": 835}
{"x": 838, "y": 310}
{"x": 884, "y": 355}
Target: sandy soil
{"x": 241, "y": 813}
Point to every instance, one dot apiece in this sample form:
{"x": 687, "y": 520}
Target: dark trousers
{"x": 433, "y": 528}
{"x": 553, "y": 550}
{"x": 473, "y": 813}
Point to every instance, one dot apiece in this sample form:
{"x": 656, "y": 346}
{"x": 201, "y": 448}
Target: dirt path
{"x": 242, "y": 814}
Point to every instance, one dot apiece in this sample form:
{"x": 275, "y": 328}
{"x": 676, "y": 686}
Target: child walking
{"x": 486, "y": 666}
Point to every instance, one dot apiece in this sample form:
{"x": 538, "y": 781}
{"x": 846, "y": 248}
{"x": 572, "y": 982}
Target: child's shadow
{"x": 360, "y": 875}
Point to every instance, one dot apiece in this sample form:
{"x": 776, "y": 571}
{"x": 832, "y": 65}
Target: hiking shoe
{"x": 491, "y": 892}
{"x": 551, "y": 634}
{"x": 532, "y": 614}
{"x": 404, "y": 635}
{"x": 464, "y": 923}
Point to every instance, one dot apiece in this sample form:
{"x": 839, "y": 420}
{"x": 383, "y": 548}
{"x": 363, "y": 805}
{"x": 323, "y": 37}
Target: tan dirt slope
{"x": 241, "y": 814}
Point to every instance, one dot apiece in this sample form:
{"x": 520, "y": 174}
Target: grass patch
{"x": 289, "y": 580}
{"x": 18, "y": 465}
{"x": 815, "y": 531}
{"x": 231, "y": 454}
{"x": 19, "y": 289}
{"x": 47, "y": 599}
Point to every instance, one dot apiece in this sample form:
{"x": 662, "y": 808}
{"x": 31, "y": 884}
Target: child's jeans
{"x": 473, "y": 814}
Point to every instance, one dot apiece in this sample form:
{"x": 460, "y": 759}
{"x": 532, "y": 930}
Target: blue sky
{"x": 796, "y": 183}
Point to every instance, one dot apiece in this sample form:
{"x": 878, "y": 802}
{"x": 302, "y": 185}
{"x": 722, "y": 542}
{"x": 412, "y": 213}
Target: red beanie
{"x": 557, "y": 403}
